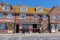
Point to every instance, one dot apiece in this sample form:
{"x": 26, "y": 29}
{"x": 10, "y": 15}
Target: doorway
{"x": 17, "y": 28}
{"x": 34, "y": 28}
{"x": 53, "y": 29}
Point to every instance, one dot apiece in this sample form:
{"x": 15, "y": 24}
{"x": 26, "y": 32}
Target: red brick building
{"x": 19, "y": 19}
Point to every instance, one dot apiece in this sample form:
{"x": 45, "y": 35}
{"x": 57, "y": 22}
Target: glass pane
{"x": 58, "y": 26}
{"x": 35, "y": 16}
{"x": 22, "y": 16}
{"x": 6, "y": 8}
{"x": 53, "y": 17}
{"x": 39, "y": 9}
{"x": 1, "y": 15}
{"x": 9, "y": 16}
{"x": 24, "y": 9}
{"x": 44, "y": 17}
{"x": 2, "y": 26}
{"x": 25, "y": 26}
{"x": 59, "y": 17}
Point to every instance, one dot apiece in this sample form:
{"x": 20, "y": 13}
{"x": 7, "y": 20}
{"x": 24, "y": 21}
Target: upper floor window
{"x": 22, "y": 16}
{"x": 44, "y": 17}
{"x": 53, "y": 17}
{"x": 23, "y": 9}
{"x": 2, "y": 26}
{"x": 6, "y": 8}
{"x": 35, "y": 16}
{"x": 1, "y": 15}
{"x": 59, "y": 17}
{"x": 39, "y": 9}
{"x": 9, "y": 16}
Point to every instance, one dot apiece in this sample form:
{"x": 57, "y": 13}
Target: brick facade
{"x": 30, "y": 24}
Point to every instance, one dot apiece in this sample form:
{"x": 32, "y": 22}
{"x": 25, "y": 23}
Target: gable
{"x": 54, "y": 10}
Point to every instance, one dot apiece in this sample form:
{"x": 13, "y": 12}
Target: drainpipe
{"x": 15, "y": 24}
{"x": 49, "y": 28}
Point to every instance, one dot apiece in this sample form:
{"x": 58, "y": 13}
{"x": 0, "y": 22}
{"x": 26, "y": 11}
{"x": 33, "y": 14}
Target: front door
{"x": 10, "y": 27}
{"x": 34, "y": 28}
{"x": 53, "y": 28}
{"x": 25, "y": 28}
{"x": 17, "y": 28}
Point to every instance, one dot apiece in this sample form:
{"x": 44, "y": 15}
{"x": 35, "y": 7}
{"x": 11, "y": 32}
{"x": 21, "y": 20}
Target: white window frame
{"x": 1, "y": 16}
{"x": 58, "y": 26}
{"x": 9, "y": 15}
{"x": 2, "y": 26}
{"x": 21, "y": 15}
{"x": 53, "y": 17}
{"x": 8, "y": 8}
{"x": 35, "y": 15}
{"x": 59, "y": 17}
{"x": 44, "y": 17}
{"x": 25, "y": 8}
{"x": 39, "y": 9}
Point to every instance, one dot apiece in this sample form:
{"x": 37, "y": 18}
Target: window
{"x": 1, "y": 15}
{"x": 23, "y": 9}
{"x": 9, "y": 16}
{"x": 59, "y": 17}
{"x": 25, "y": 26}
{"x": 35, "y": 16}
{"x": 39, "y": 10}
{"x": 53, "y": 17}
{"x": 44, "y": 17}
{"x": 58, "y": 26}
{"x": 2, "y": 26}
{"x": 6, "y": 8}
{"x": 23, "y": 16}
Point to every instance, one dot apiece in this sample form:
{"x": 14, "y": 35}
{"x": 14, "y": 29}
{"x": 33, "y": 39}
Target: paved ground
{"x": 31, "y": 36}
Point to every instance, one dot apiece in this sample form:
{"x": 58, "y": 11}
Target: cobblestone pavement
{"x": 33, "y": 36}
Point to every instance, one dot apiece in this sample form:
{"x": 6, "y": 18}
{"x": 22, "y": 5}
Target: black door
{"x": 17, "y": 28}
{"x": 34, "y": 27}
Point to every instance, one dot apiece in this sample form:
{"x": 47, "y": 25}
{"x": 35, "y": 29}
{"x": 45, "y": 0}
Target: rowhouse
{"x": 24, "y": 19}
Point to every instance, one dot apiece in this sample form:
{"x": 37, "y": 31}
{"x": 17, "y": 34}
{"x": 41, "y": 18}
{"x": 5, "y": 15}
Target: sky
{"x": 34, "y": 3}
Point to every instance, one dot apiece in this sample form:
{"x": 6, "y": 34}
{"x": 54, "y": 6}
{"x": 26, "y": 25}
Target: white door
{"x": 52, "y": 28}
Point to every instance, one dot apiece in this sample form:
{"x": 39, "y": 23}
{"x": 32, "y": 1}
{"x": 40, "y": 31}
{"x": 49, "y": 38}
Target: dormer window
{"x": 23, "y": 8}
{"x": 39, "y": 9}
{"x": 6, "y": 8}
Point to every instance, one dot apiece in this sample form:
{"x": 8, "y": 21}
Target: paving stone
{"x": 32, "y": 37}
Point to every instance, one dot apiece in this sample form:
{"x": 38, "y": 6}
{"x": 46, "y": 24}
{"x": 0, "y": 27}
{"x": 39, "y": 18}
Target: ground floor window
{"x": 25, "y": 27}
{"x": 2, "y": 26}
{"x": 58, "y": 27}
